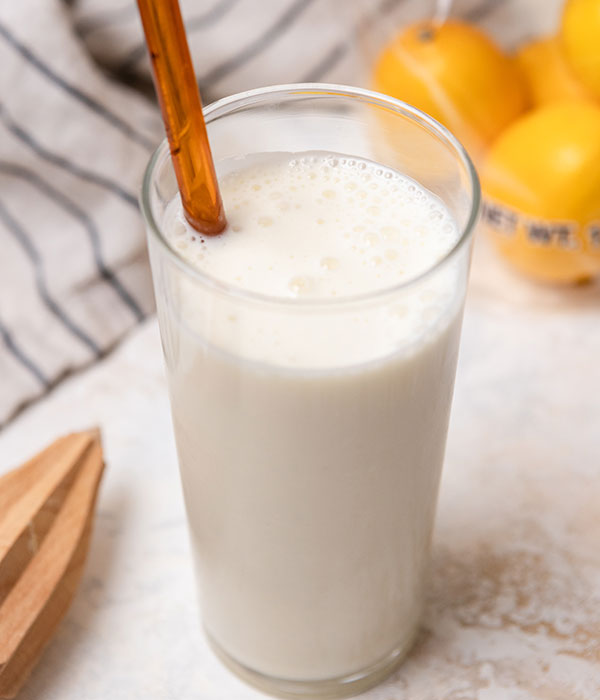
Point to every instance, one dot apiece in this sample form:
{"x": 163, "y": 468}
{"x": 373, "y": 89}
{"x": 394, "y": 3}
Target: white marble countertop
{"x": 514, "y": 594}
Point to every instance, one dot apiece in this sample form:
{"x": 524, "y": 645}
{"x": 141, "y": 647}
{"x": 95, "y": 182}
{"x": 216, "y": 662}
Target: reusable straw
{"x": 181, "y": 108}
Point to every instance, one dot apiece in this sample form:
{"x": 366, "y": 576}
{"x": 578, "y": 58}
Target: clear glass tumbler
{"x": 311, "y": 489}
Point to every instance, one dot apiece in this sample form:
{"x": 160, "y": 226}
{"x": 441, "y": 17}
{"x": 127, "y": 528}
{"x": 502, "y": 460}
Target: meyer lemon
{"x": 541, "y": 183}
{"x": 580, "y": 33}
{"x": 455, "y": 73}
{"x": 547, "y": 73}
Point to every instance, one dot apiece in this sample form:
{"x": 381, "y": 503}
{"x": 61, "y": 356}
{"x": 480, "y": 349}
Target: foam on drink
{"x": 319, "y": 225}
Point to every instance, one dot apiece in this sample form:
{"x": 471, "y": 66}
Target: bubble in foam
{"x": 330, "y": 263}
{"x": 301, "y": 285}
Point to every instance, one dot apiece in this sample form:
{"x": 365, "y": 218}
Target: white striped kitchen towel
{"x": 75, "y": 136}
{"x": 73, "y": 270}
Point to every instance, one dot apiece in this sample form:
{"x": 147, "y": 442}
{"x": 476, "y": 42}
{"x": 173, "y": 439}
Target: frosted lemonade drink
{"x": 311, "y": 351}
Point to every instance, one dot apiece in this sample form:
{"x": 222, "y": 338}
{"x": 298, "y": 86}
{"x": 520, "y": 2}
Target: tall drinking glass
{"x": 310, "y": 463}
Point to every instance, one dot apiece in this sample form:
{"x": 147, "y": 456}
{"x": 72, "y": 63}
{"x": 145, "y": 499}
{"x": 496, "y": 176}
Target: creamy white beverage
{"x": 310, "y": 394}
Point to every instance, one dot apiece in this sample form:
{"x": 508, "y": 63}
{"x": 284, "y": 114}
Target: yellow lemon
{"x": 547, "y": 73}
{"x": 580, "y": 33}
{"x": 541, "y": 183}
{"x": 455, "y": 73}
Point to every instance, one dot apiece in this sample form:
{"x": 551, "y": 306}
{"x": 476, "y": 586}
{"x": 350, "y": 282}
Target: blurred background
{"x": 240, "y": 44}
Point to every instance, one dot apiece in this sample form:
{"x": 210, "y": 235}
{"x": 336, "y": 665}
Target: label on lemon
{"x": 549, "y": 250}
{"x": 566, "y": 235}
{"x": 592, "y": 234}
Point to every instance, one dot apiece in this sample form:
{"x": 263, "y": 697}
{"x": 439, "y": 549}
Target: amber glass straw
{"x": 181, "y": 108}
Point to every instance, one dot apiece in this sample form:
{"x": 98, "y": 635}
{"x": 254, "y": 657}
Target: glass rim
{"x": 225, "y": 105}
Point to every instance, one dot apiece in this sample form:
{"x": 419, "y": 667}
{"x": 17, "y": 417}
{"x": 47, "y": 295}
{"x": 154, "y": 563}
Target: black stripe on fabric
{"x": 203, "y": 21}
{"x": 78, "y": 213}
{"x": 481, "y": 11}
{"x": 75, "y": 92}
{"x": 385, "y": 7}
{"x": 104, "y": 18}
{"x": 329, "y": 61}
{"x": 62, "y": 162}
{"x": 273, "y": 33}
{"x": 34, "y": 257}
{"x": 21, "y": 357}
{"x": 339, "y": 50}
{"x": 208, "y": 18}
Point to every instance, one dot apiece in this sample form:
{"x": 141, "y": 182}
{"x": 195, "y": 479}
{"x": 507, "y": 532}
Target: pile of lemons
{"x": 531, "y": 123}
